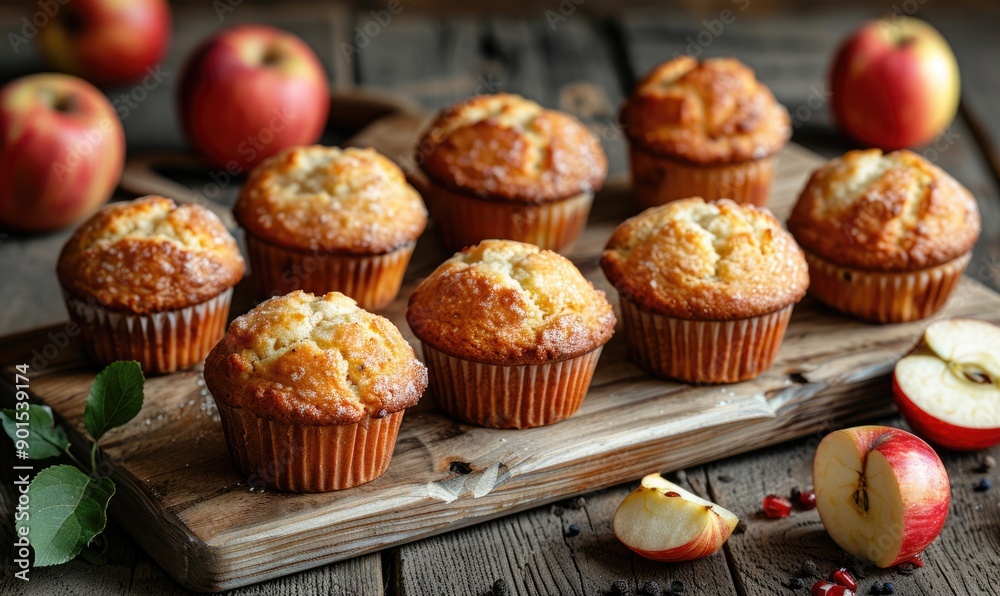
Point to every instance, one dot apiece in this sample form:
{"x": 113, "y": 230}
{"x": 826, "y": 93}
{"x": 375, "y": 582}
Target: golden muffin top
{"x": 506, "y": 147}
{"x": 889, "y": 212}
{"x": 150, "y": 255}
{"x": 506, "y": 302}
{"x": 698, "y": 260}
{"x": 314, "y": 360}
{"x": 352, "y": 201}
{"x": 706, "y": 112}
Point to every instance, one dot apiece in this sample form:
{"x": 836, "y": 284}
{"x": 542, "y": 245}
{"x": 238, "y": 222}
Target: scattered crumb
{"x": 741, "y": 527}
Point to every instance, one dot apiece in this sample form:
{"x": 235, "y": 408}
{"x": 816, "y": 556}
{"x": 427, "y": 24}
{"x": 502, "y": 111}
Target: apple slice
{"x": 663, "y": 522}
{"x": 882, "y": 493}
{"x": 949, "y": 388}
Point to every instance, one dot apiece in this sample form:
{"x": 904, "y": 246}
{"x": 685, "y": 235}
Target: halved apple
{"x": 662, "y": 521}
{"x": 949, "y": 388}
{"x": 882, "y": 493}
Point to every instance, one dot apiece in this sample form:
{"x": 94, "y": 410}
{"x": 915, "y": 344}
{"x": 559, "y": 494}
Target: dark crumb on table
{"x": 572, "y": 530}
{"x": 741, "y": 527}
{"x": 619, "y": 587}
{"x": 875, "y": 589}
{"x": 500, "y": 588}
{"x": 983, "y": 485}
{"x": 808, "y": 569}
{"x": 651, "y": 588}
{"x": 677, "y": 586}
{"x": 725, "y": 478}
{"x": 986, "y": 464}
{"x": 906, "y": 568}
{"x": 794, "y": 583}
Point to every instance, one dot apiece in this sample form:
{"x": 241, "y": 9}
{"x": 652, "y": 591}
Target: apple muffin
{"x": 151, "y": 281}
{"x": 501, "y": 166}
{"x": 703, "y": 128}
{"x": 706, "y": 288}
{"x": 887, "y": 236}
{"x": 511, "y": 334}
{"x": 322, "y": 219}
{"x": 312, "y": 390}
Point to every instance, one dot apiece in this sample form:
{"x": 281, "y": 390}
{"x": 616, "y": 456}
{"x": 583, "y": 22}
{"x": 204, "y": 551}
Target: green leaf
{"x": 66, "y": 510}
{"x": 115, "y": 397}
{"x": 43, "y": 438}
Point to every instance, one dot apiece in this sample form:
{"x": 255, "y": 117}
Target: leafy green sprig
{"x": 68, "y": 504}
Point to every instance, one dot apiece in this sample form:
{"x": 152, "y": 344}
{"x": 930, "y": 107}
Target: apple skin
{"x": 922, "y": 479}
{"x": 943, "y": 433}
{"x": 895, "y": 84}
{"x": 250, "y": 92}
{"x": 56, "y": 167}
{"x": 107, "y": 41}
{"x": 655, "y": 500}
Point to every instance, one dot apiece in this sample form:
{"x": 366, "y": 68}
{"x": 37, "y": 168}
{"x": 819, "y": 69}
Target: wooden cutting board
{"x": 182, "y": 500}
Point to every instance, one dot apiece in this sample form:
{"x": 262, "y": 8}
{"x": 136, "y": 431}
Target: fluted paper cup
{"x": 309, "y": 459}
{"x": 520, "y": 396}
{"x": 162, "y": 342}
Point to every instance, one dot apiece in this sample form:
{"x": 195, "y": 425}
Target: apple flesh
{"x": 62, "y": 149}
{"x": 106, "y": 41}
{"x": 250, "y": 92}
{"x": 895, "y": 84}
{"x": 663, "y": 522}
{"x": 949, "y": 388}
{"x": 882, "y": 493}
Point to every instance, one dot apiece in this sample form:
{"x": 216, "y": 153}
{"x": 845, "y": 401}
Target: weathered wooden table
{"x": 584, "y": 66}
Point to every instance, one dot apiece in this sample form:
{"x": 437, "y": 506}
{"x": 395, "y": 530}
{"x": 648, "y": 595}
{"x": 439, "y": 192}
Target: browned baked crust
{"x": 150, "y": 255}
{"x": 708, "y": 113}
{"x": 891, "y": 212}
{"x": 698, "y": 260}
{"x": 506, "y": 302}
{"x": 352, "y": 201}
{"x": 314, "y": 360}
{"x": 509, "y": 148}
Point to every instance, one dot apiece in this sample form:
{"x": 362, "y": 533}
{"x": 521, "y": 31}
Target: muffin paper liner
{"x": 499, "y": 396}
{"x": 703, "y": 351}
{"x": 657, "y": 179}
{"x": 371, "y": 280}
{"x": 162, "y": 342}
{"x": 462, "y": 220}
{"x": 884, "y": 297}
{"x": 308, "y": 459}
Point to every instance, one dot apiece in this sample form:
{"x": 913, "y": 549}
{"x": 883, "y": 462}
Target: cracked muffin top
{"x": 715, "y": 260}
{"x": 509, "y": 148}
{"x": 506, "y": 302}
{"x": 314, "y": 360}
{"x": 353, "y": 201}
{"x": 889, "y": 212}
{"x": 150, "y": 255}
{"x": 708, "y": 113}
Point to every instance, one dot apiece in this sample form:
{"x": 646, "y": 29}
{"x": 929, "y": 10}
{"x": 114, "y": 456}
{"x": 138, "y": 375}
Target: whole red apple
{"x": 250, "y": 92}
{"x": 62, "y": 151}
{"x": 106, "y": 41}
{"x": 882, "y": 493}
{"x": 895, "y": 84}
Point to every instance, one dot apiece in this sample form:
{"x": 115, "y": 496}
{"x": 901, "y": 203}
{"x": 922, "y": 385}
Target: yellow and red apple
{"x": 663, "y": 522}
{"x": 882, "y": 493}
{"x": 895, "y": 84}
{"x": 250, "y": 92}
{"x": 62, "y": 149}
{"x": 948, "y": 389}
{"x": 106, "y": 41}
